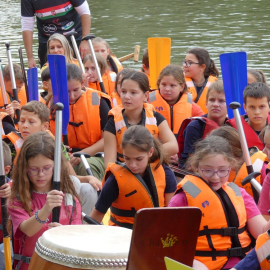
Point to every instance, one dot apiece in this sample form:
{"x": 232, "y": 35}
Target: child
{"x": 47, "y": 86}
{"x": 145, "y": 63}
{"x": 9, "y": 89}
{"x": 92, "y": 81}
{"x": 200, "y": 72}
{"x": 115, "y": 95}
{"x": 58, "y": 44}
{"x": 5, "y": 192}
{"x": 194, "y": 129}
{"x": 101, "y": 46}
{"x": 256, "y": 105}
{"x": 255, "y": 75}
{"x": 135, "y": 111}
{"x": 32, "y": 198}
{"x": 88, "y": 117}
{"x": 171, "y": 99}
{"x": 146, "y": 182}
{"x": 227, "y": 210}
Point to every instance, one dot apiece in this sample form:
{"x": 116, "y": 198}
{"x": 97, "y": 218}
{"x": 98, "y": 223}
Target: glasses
{"x": 220, "y": 173}
{"x": 45, "y": 170}
{"x": 189, "y": 63}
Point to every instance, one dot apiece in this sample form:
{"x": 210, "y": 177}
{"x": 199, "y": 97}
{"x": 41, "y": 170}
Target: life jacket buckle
{"x": 229, "y": 231}
{"x": 235, "y": 252}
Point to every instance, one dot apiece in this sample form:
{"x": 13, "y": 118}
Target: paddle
{"x": 234, "y": 74}
{"x": 58, "y": 73}
{"x": 135, "y": 55}
{"x": 57, "y": 156}
{"x": 13, "y": 82}
{"x": 75, "y": 47}
{"x": 159, "y": 52}
{"x": 3, "y": 87}
{"x": 95, "y": 61}
{"x": 255, "y": 186}
{"x": 32, "y": 75}
{"x": 23, "y": 72}
{"x": 4, "y": 213}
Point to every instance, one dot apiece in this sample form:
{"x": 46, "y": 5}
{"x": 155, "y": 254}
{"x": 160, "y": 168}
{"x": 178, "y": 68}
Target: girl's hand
{"x": 174, "y": 159}
{"x": 53, "y": 225}
{"x": 74, "y": 160}
{"x": 54, "y": 199}
{"x": 9, "y": 110}
{"x": 95, "y": 183}
{"x": 5, "y": 191}
{"x": 85, "y": 79}
{"x": 16, "y": 105}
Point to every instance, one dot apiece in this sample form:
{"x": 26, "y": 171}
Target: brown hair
{"x": 257, "y": 90}
{"x": 100, "y": 60}
{"x": 216, "y": 86}
{"x": 138, "y": 77}
{"x": 211, "y": 145}
{"x": 258, "y": 75}
{"x": 145, "y": 58}
{"x": 45, "y": 75}
{"x": 17, "y": 72}
{"x": 74, "y": 73}
{"x": 38, "y": 108}
{"x": 120, "y": 74}
{"x": 173, "y": 70}
{"x": 102, "y": 40}
{"x": 40, "y": 143}
{"x": 7, "y": 155}
{"x": 204, "y": 58}
{"x": 139, "y": 137}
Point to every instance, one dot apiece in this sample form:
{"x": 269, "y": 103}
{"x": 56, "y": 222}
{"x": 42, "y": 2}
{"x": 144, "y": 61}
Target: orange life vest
{"x": 175, "y": 114}
{"x": 84, "y": 123}
{"x": 21, "y": 96}
{"x": 251, "y": 136}
{"x": 120, "y": 125}
{"x": 257, "y": 160}
{"x": 262, "y": 249}
{"x": 201, "y": 100}
{"x": 134, "y": 194}
{"x": 117, "y": 63}
{"x": 208, "y": 127}
{"x": 219, "y": 228}
{"x": 116, "y": 100}
{"x": 15, "y": 139}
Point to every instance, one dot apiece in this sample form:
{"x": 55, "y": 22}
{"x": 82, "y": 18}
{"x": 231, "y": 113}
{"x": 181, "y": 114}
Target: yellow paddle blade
{"x": 174, "y": 265}
{"x": 7, "y": 253}
{"x": 106, "y": 218}
{"x": 159, "y": 53}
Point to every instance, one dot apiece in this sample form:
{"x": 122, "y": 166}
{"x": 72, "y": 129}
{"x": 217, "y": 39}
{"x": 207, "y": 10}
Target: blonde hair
{"x": 17, "y": 72}
{"x": 215, "y": 86}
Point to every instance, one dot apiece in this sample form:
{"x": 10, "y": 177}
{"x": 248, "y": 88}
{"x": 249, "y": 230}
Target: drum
{"x": 82, "y": 247}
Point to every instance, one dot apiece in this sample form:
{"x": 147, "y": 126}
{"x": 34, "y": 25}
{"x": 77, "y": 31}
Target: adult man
{"x": 54, "y": 16}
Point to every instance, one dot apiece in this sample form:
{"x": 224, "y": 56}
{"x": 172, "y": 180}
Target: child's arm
{"x": 31, "y": 226}
{"x": 96, "y": 215}
{"x": 9, "y": 110}
{"x": 5, "y": 191}
{"x": 168, "y": 197}
{"x": 110, "y": 148}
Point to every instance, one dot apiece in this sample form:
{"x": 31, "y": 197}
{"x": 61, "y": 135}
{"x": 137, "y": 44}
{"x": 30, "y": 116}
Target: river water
{"x": 219, "y": 26}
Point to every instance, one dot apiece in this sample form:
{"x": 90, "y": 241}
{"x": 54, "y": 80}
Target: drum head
{"x": 86, "y": 246}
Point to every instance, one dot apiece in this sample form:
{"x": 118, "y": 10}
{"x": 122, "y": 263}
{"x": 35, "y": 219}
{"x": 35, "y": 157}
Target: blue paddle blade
{"x": 234, "y": 74}
{"x": 32, "y": 78}
{"x": 58, "y": 73}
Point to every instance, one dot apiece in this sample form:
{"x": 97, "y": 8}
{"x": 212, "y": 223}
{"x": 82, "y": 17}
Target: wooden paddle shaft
{"x": 135, "y": 55}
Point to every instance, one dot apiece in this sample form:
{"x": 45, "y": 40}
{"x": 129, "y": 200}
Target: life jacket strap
{"x": 120, "y": 224}
{"x": 229, "y": 231}
{"x": 22, "y": 259}
{"x": 123, "y": 213}
{"x": 75, "y": 124}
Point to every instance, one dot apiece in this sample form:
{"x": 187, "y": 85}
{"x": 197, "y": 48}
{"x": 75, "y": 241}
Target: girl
{"x": 58, "y": 44}
{"x": 193, "y": 130}
{"x": 147, "y": 180}
{"x": 101, "y": 46}
{"x": 171, "y": 99}
{"x": 255, "y": 75}
{"x": 108, "y": 77}
{"x": 115, "y": 96}
{"x": 32, "y": 198}
{"x": 88, "y": 116}
{"x": 200, "y": 72}
{"x": 135, "y": 111}
{"x": 228, "y": 211}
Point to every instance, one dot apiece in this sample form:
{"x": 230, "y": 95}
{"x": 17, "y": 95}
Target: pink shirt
{"x": 18, "y": 215}
{"x": 252, "y": 210}
{"x": 264, "y": 204}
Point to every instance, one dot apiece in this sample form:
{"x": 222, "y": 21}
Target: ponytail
{"x": 212, "y": 70}
{"x": 158, "y": 154}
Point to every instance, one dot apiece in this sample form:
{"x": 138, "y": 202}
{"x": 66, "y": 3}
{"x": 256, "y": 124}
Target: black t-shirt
{"x": 53, "y": 16}
{"x": 103, "y": 112}
{"x": 110, "y": 190}
{"x": 110, "y": 126}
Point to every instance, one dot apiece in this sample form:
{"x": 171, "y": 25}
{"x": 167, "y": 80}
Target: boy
{"x": 35, "y": 118}
{"x": 19, "y": 85}
{"x": 5, "y": 192}
{"x": 47, "y": 85}
{"x": 256, "y": 105}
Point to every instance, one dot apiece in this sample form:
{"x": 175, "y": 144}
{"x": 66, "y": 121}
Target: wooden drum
{"x": 82, "y": 247}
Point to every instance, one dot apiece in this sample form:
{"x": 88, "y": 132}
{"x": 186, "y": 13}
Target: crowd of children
{"x": 137, "y": 132}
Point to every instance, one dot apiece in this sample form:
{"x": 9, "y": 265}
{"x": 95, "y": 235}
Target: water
{"x": 219, "y": 26}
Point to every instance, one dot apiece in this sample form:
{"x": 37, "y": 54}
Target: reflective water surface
{"x": 219, "y": 26}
